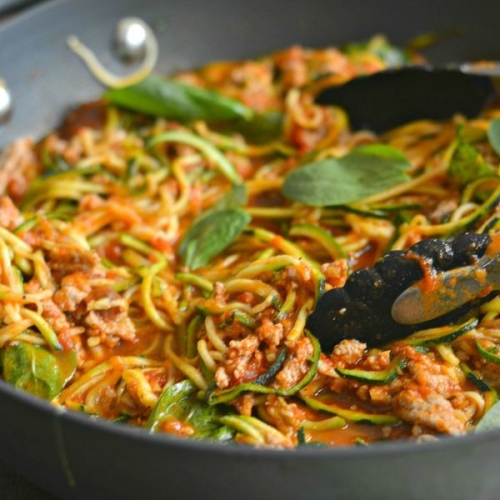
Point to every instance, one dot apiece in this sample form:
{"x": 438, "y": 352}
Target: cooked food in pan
{"x": 163, "y": 251}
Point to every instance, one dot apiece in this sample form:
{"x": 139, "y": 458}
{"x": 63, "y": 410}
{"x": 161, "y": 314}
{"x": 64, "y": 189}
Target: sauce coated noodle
{"x": 153, "y": 272}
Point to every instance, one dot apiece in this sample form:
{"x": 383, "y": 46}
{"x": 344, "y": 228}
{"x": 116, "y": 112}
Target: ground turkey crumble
{"x": 81, "y": 303}
{"x": 245, "y": 361}
{"x": 427, "y": 393}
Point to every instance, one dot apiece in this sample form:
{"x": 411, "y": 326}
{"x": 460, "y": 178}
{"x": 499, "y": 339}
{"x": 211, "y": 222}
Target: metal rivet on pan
{"x": 5, "y": 102}
{"x": 130, "y": 38}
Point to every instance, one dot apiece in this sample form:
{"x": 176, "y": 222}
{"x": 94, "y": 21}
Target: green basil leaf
{"x": 179, "y": 401}
{"x": 35, "y": 370}
{"x": 205, "y": 420}
{"x": 211, "y": 234}
{"x": 66, "y": 361}
{"x": 491, "y": 419}
{"x": 494, "y": 135}
{"x": 336, "y": 181}
{"x": 170, "y": 397}
{"x": 390, "y": 54}
{"x": 236, "y": 197}
{"x": 467, "y": 163}
{"x": 262, "y": 128}
{"x": 178, "y": 101}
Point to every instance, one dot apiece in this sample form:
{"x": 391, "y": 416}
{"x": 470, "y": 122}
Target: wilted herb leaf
{"x": 491, "y": 419}
{"x": 236, "y": 197}
{"x": 260, "y": 129}
{"x": 494, "y": 135}
{"x": 211, "y": 234}
{"x": 36, "y": 370}
{"x": 390, "y": 54}
{"x": 179, "y": 401}
{"x": 179, "y": 101}
{"x": 336, "y": 181}
{"x": 467, "y": 163}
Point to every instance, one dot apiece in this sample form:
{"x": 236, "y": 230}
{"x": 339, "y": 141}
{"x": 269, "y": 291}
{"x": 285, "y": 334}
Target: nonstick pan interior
{"x": 77, "y": 458}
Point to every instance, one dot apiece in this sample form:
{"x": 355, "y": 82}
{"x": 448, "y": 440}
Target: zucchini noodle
{"x": 153, "y": 271}
{"x": 106, "y": 77}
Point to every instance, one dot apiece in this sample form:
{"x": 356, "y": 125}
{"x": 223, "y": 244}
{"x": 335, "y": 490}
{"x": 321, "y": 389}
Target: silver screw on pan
{"x": 5, "y": 102}
{"x": 130, "y": 38}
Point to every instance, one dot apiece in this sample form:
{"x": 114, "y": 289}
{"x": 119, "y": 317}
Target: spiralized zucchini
{"x": 153, "y": 269}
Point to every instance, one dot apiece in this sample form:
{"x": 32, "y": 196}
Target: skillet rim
{"x": 378, "y": 449}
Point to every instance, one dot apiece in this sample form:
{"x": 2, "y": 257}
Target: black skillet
{"x": 77, "y": 457}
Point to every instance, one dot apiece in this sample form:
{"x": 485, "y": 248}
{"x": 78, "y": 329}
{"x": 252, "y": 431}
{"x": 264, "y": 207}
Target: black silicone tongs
{"x": 447, "y": 291}
{"x": 384, "y": 100}
{"x": 432, "y": 284}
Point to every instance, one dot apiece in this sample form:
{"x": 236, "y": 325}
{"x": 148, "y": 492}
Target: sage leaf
{"x": 35, "y": 370}
{"x": 211, "y": 234}
{"x": 491, "y": 419}
{"x": 177, "y": 101}
{"x": 467, "y": 163}
{"x": 336, "y": 181}
{"x": 494, "y": 135}
{"x": 179, "y": 401}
